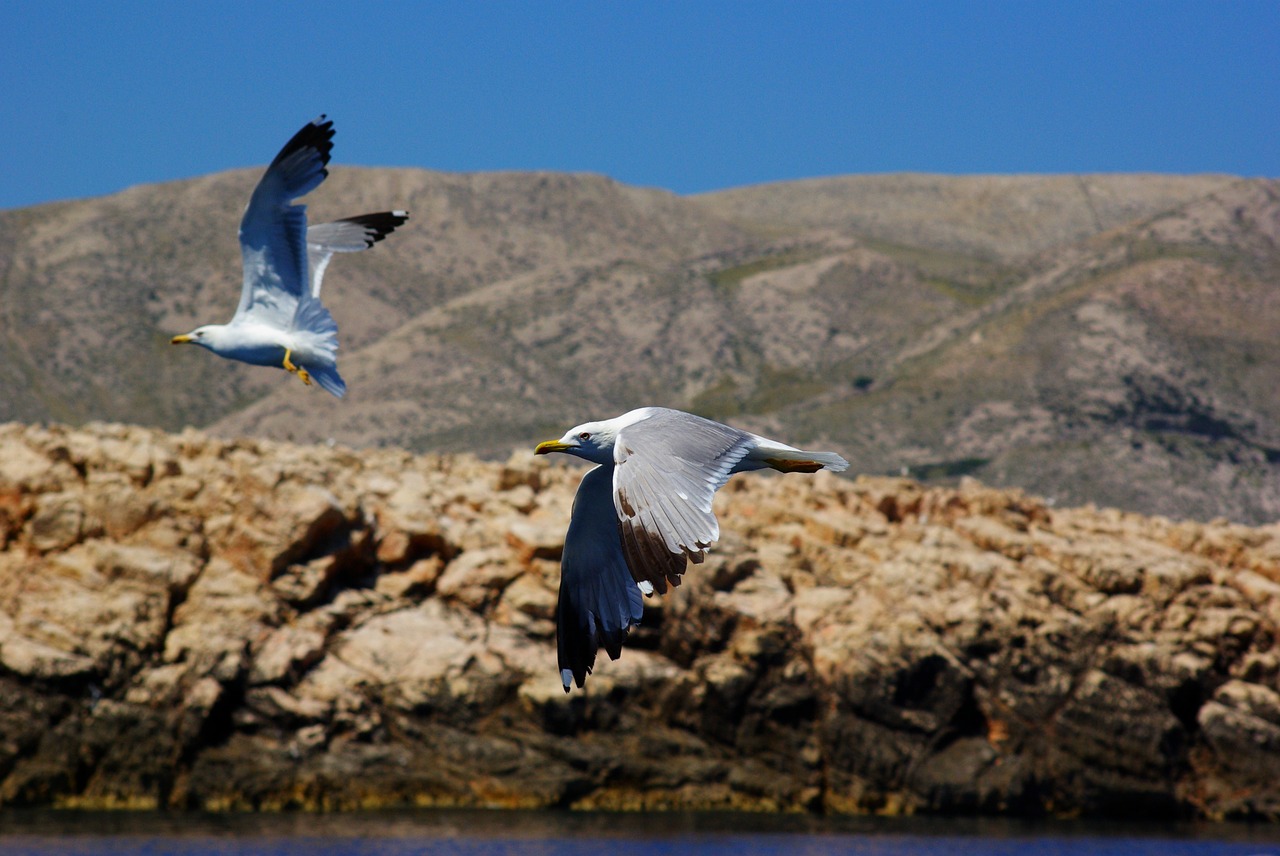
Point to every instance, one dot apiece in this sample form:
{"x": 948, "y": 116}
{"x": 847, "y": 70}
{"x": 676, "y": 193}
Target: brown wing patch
{"x": 625, "y": 502}
{"x": 793, "y": 466}
{"x": 648, "y": 557}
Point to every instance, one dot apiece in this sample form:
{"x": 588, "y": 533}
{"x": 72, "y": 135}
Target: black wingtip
{"x": 380, "y": 224}
{"x": 578, "y": 643}
{"x": 317, "y": 134}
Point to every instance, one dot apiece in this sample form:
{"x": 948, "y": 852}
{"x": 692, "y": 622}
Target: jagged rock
{"x": 29, "y": 658}
{"x": 477, "y": 577}
{"x": 540, "y": 539}
{"x": 189, "y": 622}
{"x": 58, "y": 522}
{"x": 289, "y": 651}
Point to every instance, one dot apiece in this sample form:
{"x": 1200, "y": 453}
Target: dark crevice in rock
{"x": 1185, "y": 701}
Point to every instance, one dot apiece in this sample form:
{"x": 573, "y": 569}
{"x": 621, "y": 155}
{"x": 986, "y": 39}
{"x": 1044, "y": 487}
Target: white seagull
{"x": 280, "y": 320}
{"x": 642, "y": 513}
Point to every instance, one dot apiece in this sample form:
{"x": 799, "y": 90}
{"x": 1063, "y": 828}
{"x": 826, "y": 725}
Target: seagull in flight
{"x": 644, "y": 511}
{"x": 280, "y": 320}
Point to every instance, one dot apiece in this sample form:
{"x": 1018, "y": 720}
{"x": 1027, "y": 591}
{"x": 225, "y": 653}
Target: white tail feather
{"x": 767, "y": 451}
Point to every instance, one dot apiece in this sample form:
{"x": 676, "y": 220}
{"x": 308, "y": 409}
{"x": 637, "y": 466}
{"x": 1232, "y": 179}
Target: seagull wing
{"x": 599, "y": 601}
{"x": 667, "y": 469}
{"x": 273, "y": 232}
{"x": 350, "y": 235}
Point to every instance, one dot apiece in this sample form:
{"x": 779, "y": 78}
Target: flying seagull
{"x": 642, "y": 513}
{"x": 280, "y": 320}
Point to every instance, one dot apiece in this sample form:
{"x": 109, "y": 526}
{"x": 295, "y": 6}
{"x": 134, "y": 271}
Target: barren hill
{"x": 1088, "y": 337}
{"x": 996, "y": 217}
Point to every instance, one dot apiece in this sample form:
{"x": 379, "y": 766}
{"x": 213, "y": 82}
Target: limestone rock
{"x": 196, "y": 623}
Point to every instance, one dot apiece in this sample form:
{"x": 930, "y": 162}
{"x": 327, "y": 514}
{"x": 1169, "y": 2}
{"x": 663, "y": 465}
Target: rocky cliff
{"x": 192, "y": 622}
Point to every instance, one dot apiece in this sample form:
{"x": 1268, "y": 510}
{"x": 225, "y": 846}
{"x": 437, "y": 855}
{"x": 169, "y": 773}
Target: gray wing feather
{"x": 667, "y": 470}
{"x": 349, "y": 235}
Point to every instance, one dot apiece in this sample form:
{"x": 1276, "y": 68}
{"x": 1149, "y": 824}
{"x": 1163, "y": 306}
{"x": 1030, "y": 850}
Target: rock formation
{"x": 191, "y": 622}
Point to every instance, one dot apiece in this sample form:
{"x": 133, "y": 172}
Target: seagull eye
{"x": 585, "y": 435}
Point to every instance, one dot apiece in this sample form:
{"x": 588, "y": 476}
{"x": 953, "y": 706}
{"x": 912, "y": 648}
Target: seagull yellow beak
{"x": 180, "y": 340}
{"x": 551, "y": 446}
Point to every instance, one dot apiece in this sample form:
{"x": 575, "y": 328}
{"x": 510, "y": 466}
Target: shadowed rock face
{"x": 190, "y": 622}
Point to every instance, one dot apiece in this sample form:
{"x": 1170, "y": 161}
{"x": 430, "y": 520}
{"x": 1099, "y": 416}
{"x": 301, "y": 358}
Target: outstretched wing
{"x": 273, "y": 232}
{"x": 667, "y": 469}
{"x": 599, "y": 601}
{"x": 350, "y": 235}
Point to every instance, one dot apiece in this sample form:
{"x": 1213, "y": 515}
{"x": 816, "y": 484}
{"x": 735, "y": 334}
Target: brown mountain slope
{"x": 998, "y": 217}
{"x": 1089, "y": 337}
{"x": 1131, "y": 369}
{"x": 1127, "y": 369}
{"x": 90, "y": 291}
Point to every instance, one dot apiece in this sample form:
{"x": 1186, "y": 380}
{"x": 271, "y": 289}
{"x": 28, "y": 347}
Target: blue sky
{"x": 689, "y": 96}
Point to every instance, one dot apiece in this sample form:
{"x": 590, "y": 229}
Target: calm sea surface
{"x": 506, "y": 833}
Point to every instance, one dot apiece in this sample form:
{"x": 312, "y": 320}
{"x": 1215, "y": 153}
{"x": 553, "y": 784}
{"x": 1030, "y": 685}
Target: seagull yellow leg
{"x": 298, "y": 370}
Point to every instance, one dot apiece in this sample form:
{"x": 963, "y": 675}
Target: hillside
{"x": 191, "y": 623}
{"x": 1091, "y": 338}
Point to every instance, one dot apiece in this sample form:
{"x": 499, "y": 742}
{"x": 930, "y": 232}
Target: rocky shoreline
{"x": 187, "y": 622}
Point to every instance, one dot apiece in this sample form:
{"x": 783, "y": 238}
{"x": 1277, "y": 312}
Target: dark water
{"x": 507, "y": 833}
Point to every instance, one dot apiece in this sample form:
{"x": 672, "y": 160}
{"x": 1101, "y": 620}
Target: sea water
{"x": 508, "y": 833}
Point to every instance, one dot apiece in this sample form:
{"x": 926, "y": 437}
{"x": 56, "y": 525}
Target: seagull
{"x": 644, "y": 511}
{"x": 280, "y": 320}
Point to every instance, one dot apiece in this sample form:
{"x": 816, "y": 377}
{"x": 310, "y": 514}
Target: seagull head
{"x": 206, "y": 337}
{"x": 592, "y": 441}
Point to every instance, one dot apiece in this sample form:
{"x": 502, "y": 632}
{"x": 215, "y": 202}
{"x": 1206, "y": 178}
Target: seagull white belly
{"x": 263, "y": 346}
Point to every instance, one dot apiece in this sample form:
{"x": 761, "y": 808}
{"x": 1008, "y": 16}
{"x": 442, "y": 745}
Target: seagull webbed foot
{"x": 295, "y": 369}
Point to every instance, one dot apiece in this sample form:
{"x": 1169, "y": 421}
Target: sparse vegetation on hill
{"x": 1091, "y": 338}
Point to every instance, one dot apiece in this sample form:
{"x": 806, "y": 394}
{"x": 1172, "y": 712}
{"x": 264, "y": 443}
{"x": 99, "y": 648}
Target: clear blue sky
{"x": 97, "y": 96}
